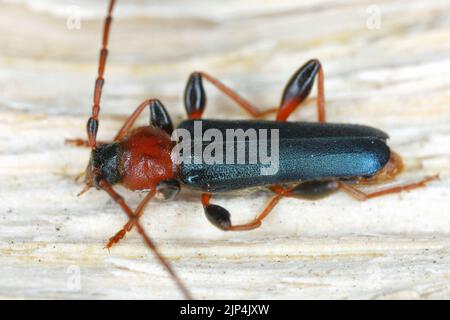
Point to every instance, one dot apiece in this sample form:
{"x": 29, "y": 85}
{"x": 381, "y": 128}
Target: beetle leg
{"x": 310, "y": 190}
{"x": 298, "y": 88}
{"x": 220, "y": 217}
{"x": 362, "y": 196}
{"x": 168, "y": 190}
{"x": 131, "y": 120}
{"x": 195, "y": 96}
{"x": 129, "y": 225}
{"x": 121, "y": 202}
{"x": 159, "y": 117}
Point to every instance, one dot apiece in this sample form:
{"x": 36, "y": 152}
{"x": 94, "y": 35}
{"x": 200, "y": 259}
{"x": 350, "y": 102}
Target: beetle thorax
{"x": 145, "y": 158}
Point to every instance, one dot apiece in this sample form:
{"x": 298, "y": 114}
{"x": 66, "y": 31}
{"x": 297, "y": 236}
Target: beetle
{"x": 315, "y": 159}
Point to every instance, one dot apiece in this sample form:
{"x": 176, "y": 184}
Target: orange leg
{"x": 168, "y": 189}
{"x": 256, "y": 222}
{"x": 362, "y": 196}
{"x": 129, "y": 225}
{"x": 121, "y": 202}
{"x": 220, "y": 217}
{"x": 295, "y": 92}
{"x": 242, "y": 102}
{"x": 311, "y": 190}
{"x": 132, "y": 119}
{"x": 195, "y": 97}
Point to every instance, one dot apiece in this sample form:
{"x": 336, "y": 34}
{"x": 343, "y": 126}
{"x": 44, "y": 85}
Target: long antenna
{"x": 92, "y": 128}
{"x": 92, "y": 124}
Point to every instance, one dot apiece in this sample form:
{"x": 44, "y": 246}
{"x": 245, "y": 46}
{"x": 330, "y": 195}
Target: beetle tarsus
{"x": 116, "y": 238}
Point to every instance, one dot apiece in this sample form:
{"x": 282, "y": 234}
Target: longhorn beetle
{"x": 315, "y": 159}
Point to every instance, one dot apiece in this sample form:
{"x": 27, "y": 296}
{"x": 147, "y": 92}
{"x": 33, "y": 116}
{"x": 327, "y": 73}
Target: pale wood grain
{"x": 395, "y": 78}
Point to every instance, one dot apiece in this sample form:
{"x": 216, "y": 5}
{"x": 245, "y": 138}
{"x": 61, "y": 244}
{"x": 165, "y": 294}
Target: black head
{"x": 104, "y": 163}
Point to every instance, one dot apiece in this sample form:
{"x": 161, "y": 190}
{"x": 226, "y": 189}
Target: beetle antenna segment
{"x": 92, "y": 124}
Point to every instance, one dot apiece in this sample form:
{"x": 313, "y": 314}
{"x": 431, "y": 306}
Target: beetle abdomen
{"x": 306, "y": 151}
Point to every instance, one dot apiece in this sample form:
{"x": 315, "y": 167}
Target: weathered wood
{"x": 395, "y": 78}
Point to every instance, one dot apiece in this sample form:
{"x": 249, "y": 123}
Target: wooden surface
{"x": 395, "y": 77}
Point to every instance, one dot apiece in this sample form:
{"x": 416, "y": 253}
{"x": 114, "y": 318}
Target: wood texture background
{"x": 395, "y": 77}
